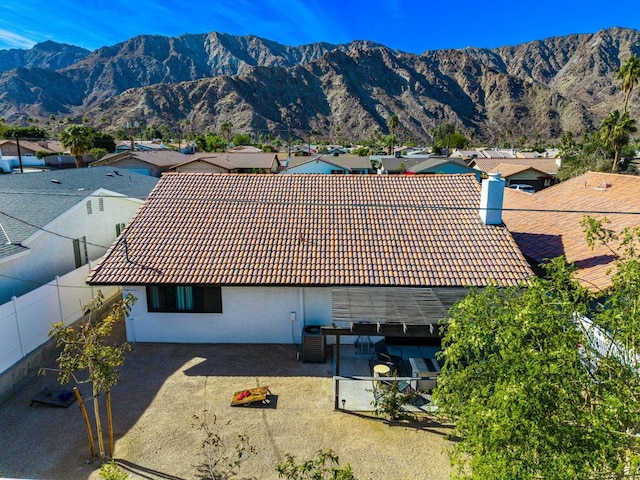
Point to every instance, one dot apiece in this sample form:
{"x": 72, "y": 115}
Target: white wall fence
{"x": 25, "y": 321}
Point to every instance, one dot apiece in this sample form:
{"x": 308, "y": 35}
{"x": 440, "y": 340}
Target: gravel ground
{"x": 163, "y": 385}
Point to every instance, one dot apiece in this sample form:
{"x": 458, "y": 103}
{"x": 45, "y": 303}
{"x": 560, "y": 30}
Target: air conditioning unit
{"x": 313, "y": 345}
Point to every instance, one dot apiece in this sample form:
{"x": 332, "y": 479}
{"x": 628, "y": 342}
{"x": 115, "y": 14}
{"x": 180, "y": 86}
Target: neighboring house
{"x": 547, "y": 224}
{"x": 9, "y": 147}
{"x": 523, "y": 175}
{"x": 397, "y": 163}
{"x": 256, "y": 258}
{"x": 330, "y": 164}
{"x": 547, "y": 166}
{"x": 244, "y": 149}
{"x": 230, "y": 163}
{"x": 151, "y": 163}
{"x": 442, "y": 165}
{"x": 327, "y": 164}
{"x": 53, "y": 222}
{"x": 500, "y": 153}
{"x": 27, "y": 160}
{"x": 140, "y": 146}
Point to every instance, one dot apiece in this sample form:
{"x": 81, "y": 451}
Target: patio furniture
{"x": 380, "y": 358}
{"x": 58, "y": 397}
{"x": 251, "y": 395}
{"x": 424, "y": 367}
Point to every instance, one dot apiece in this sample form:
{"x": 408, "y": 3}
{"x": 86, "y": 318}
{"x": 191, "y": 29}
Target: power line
{"x": 24, "y": 280}
{"x": 42, "y": 229}
{"x": 316, "y": 204}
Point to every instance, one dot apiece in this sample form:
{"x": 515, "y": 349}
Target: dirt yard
{"x": 163, "y": 385}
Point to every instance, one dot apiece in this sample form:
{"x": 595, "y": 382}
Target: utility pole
{"x": 132, "y": 126}
{"x": 19, "y": 154}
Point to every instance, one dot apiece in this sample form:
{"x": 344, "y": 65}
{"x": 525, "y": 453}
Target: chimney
{"x": 491, "y": 198}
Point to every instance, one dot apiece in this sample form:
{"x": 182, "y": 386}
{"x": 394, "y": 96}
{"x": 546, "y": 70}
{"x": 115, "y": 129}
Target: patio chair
{"x": 380, "y": 358}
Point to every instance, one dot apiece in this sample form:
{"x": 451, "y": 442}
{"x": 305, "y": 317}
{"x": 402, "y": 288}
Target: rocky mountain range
{"x": 538, "y": 89}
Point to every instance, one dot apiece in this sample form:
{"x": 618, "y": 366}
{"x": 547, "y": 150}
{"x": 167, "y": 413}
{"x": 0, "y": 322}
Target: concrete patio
{"x": 163, "y": 385}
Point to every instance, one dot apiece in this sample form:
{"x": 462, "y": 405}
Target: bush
{"x": 111, "y": 471}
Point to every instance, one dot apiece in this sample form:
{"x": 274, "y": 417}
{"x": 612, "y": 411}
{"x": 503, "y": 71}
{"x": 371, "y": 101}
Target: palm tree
{"x": 78, "y": 139}
{"x": 225, "y": 130}
{"x": 629, "y": 75}
{"x": 614, "y": 133}
{"x": 392, "y": 123}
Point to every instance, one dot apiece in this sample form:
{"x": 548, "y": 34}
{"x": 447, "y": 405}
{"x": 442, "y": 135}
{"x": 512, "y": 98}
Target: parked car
{"x": 523, "y": 188}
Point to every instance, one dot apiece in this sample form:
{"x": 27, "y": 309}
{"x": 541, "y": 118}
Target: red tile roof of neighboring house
{"x": 234, "y": 229}
{"x": 556, "y": 230}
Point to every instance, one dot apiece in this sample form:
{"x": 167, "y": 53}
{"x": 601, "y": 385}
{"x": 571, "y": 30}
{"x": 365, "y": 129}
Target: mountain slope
{"x": 538, "y": 89}
{"x": 47, "y": 55}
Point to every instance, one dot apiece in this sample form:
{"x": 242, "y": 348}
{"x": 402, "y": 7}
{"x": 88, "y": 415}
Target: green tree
{"x": 102, "y": 140}
{"x": 241, "y": 139}
{"x": 78, "y": 139}
{"x": 531, "y": 395}
{"x": 392, "y": 123}
{"x": 87, "y": 357}
{"x": 446, "y": 137}
{"x": 629, "y": 75}
{"x": 98, "y": 153}
{"x": 226, "y": 131}
{"x": 388, "y": 141}
{"x": 614, "y": 133}
{"x": 583, "y": 155}
{"x": 13, "y": 131}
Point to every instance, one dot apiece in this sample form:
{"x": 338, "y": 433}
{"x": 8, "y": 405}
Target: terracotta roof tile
{"x": 414, "y": 230}
{"x": 547, "y": 165}
{"x": 556, "y": 229}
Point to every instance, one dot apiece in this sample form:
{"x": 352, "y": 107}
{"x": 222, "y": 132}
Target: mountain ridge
{"x": 539, "y": 88}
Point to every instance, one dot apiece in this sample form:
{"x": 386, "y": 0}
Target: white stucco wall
{"x": 50, "y": 251}
{"x": 250, "y": 315}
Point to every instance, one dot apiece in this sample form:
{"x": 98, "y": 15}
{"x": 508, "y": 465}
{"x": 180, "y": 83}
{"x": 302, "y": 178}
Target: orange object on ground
{"x": 245, "y": 397}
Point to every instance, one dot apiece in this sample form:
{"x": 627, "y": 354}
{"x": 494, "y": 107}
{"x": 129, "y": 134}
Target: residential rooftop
{"x": 31, "y": 200}
{"x": 322, "y": 230}
{"x": 547, "y": 224}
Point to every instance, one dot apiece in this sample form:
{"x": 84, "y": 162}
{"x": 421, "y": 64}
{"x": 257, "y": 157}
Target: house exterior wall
{"x": 316, "y": 166}
{"x": 250, "y": 315}
{"x": 52, "y": 254}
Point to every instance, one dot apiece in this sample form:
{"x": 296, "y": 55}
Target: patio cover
{"x": 390, "y": 311}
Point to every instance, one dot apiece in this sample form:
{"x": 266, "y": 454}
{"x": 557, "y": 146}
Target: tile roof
{"x": 32, "y": 200}
{"x": 547, "y": 165}
{"x": 158, "y": 158}
{"x": 508, "y": 169}
{"x": 44, "y": 145}
{"x": 557, "y": 231}
{"x": 232, "y": 161}
{"x": 230, "y": 229}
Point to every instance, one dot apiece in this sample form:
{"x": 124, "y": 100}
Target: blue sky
{"x": 409, "y": 25}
